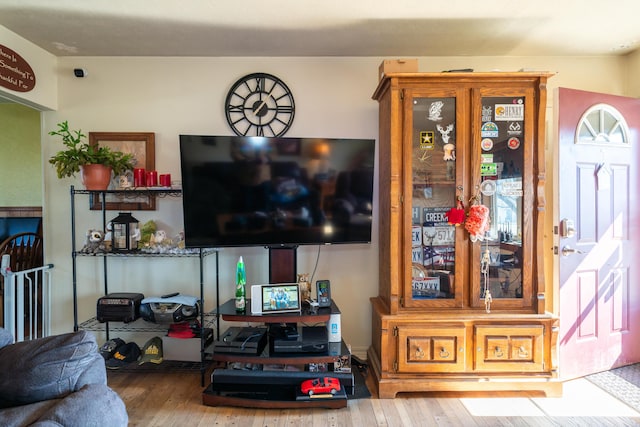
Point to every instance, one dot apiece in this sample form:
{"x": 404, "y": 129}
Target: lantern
{"x": 124, "y": 233}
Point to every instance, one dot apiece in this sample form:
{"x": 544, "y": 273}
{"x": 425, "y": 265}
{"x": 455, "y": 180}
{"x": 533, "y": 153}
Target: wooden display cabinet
{"x": 461, "y": 311}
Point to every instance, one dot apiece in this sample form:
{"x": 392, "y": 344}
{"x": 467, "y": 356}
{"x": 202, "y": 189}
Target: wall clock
{"x": 259, "y": 104}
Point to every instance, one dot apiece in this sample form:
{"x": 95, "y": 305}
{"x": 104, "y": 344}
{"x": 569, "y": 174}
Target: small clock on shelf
{"x": 259, "y": 104}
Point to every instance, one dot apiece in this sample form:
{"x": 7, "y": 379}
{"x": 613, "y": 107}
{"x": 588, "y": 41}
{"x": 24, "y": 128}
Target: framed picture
{"x": 142, "y": 146}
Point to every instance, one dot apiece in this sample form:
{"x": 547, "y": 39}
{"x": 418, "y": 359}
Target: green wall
{"x": 20, "y": 156}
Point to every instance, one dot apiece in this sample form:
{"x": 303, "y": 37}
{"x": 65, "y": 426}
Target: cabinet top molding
{"x": 461, "y": 77}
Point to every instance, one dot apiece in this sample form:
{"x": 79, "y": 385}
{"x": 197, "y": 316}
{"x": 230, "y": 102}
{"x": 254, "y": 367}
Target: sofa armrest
{"x": 49, "y": 368}
{"x": 92, "y": 405}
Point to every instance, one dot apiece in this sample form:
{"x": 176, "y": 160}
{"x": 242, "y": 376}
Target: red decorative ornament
{"x": 477, "y": 221}
{"x": 455, "y": 216}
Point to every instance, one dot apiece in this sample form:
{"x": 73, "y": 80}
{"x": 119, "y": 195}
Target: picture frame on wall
{"x": 142, "y": 146}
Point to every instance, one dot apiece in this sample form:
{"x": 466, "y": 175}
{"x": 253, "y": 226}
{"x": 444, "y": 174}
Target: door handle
{"x": 567, "y": 250}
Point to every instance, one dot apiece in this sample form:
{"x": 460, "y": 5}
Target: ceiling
{"x": 401, "y": 28}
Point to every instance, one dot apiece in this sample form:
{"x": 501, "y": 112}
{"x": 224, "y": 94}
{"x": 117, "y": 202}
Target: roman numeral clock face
{"x": 259, "y": 104}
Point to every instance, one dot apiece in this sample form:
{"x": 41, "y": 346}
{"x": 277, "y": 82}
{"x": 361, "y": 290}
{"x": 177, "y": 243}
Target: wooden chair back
{"x": 25, "y": 251}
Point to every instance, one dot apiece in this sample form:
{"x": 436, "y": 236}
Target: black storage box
{"x": 119, "y": 307}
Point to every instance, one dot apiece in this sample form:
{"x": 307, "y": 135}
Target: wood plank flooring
{"x": 175, "y": 399}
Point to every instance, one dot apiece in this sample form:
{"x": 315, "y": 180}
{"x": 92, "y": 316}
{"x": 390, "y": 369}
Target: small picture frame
{"x": 323, "y": 290}
{"x": 142, "y": 146}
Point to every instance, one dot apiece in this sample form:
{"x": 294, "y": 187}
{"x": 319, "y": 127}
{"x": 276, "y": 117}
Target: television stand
{"x": 262, "y": 388}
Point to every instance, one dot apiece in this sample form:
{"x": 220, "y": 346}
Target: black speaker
{"x": 119, "y": 307}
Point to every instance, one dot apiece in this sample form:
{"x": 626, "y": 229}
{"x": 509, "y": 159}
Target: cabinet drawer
{"x": 431, "y": 349}
{"x": 509, "y": 348}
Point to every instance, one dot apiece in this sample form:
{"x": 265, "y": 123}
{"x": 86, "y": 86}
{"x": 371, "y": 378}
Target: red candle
{"x": 165, "y": 180}
{"x": 139, "y": 177}
{"x": 152, "y": 178}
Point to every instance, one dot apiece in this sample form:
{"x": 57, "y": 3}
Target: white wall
{"x": 632, "y": 74}
{"x": 170, "y": 96}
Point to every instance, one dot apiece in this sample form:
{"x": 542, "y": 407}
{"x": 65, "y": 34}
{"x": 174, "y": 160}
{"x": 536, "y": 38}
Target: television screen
{"x": 259, "y": 191}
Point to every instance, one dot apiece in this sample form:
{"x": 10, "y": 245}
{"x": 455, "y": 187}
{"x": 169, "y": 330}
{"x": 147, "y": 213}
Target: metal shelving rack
{"x": 206, "y": 319}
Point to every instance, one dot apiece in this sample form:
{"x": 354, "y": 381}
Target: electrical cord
{"x": 249, "y": 338}
{"x": 315, "y": 267}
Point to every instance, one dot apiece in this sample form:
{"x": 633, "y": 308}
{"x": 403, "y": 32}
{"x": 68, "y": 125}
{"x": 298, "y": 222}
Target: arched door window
{"x": 602, "y": 124}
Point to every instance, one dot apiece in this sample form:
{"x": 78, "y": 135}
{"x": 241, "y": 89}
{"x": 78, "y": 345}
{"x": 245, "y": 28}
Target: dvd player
{"x": 312, "y": 339}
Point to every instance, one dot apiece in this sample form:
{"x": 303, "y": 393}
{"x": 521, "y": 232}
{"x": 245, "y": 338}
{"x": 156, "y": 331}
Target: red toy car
{"x": 320, "y": 386}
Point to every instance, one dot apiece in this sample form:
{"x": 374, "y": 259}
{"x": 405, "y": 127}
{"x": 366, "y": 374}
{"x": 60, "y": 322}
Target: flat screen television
{"x": 276, "y": 192}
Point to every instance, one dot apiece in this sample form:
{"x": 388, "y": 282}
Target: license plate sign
{"x": 429, "y": 287}
{"x": 439, "y": 235}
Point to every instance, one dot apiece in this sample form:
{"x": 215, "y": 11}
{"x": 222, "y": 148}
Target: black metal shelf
{"x": 151, "y": 253}
{"x": 140, "y": 325}
{"x": 135, "y": 191}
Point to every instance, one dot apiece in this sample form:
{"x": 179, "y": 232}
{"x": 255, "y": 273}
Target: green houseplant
{"x": 80, "y": 156}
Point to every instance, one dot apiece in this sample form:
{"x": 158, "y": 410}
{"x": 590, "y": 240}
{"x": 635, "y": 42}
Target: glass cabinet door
{"x": 434, "y": 135}
{"x": 500, "y": 275}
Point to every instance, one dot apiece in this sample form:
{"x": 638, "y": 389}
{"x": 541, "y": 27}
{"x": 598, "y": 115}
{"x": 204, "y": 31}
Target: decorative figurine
{"x": 449, "y": 147}
{"x": 435, "y": 111}
{"x": 455, "y": 216}
{"x": 487, "y": 300}
{"x": 484, "y": 269}
{"x": 94, "y": 243}
{"x": 477, "y": 222}
{"x": 159, "y": 237}
{"x": 305, "y": 286}
{"x": 449, "y": 152}
{"x": 444, "y": 132}
{"x": 147, "y": 233}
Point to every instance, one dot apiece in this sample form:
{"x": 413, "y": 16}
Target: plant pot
{"x": 95, "y": 177}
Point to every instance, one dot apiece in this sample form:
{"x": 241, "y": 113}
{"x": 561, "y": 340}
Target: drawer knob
{"x": 419, "y": 353}
{"x": 498, "y": 352}
{"x": 522, "y": 352}
{"x": 444, "y": 353}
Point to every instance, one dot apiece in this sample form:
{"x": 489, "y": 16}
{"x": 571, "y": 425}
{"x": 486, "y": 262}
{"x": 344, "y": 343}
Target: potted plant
{"x": 95, "y": 163}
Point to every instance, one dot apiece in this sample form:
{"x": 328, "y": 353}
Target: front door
{"x": 599, "y": 235}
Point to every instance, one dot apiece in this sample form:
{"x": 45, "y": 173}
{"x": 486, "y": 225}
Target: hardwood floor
{"x": 174, "y": 399}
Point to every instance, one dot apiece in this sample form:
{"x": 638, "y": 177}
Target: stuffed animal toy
{"x": 455, "y": 216}
{"x": 94, "y": 243}
{"x": 477, "y": 222}
{"x": 305, "y": 286}
{"x": 159, "y": 238}
{"x": 180, "y": 240}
